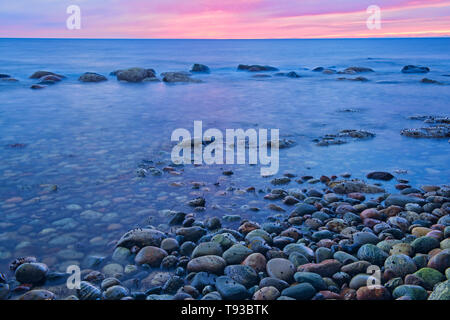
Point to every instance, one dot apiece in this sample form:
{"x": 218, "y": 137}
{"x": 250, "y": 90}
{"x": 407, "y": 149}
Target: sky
{"x": 224, "y": 19}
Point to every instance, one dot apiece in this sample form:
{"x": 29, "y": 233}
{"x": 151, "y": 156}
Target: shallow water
{"x": 89, "y": 139}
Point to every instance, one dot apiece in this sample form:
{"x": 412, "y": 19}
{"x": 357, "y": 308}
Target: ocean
{"x": 69, "y": 188}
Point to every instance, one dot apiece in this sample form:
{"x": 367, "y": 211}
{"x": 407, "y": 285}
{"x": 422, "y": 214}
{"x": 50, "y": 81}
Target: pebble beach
{"x": 359, "y": 210}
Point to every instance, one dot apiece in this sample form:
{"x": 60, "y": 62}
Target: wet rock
{"x": 280, "y": 268}
{"x": 211, "y": 264}
{"x": 266, "y": 293}
{"x": 425, "y": 244}
{"x": 402, "y": 200}
{"x": 150, "y": 255}
{"x": 355, "y": 70}
{"x": 325, "y": 268}
{"x": 242, "y": 274}
{"x": 141, "y": 238}
{"x": 32, "y": 272}
{"x": 230, "y": 289}
{"x": 441, "y": 292}
{"x": 38, "y": 294}
{"x": 375, "y": 292}
{"x": 312, "y": 278}
{"x": 255, "y": 68}
{"x": 400, "y": 264}
{"x": 197, "y": 67}
{"x": 236, "y": 254}
{"x": 197, "y": 202}
{"x": 430, "y": 277}
{"x": 302, "y": 291}
{"x": 362, "y": 238}
{"x": 191, "y": 233}
{"x": 415, "y": 69}
{"x": 116, "y": 293}
{"x": 412, "y": 291}
{"x": 257, "y": 261}
{"x": 346, "y": 187}
{"x": 40, "y": 74}
{"x": 37, "y": 86}
{"x": 434, "y": 132}
{"x": 135, "y": 74}
{"x": 372, "y": 254}
{"x": 207, "y": 248}
{"x": 440, "y": 261}
{"x": 379, "y": 175}
{"x": 91, "y": 77}
{"x": 430, "y": 81}
{"x": 174, "y": 77}
{"x": 88, "y": 291}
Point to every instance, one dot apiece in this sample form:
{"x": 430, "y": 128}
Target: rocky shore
{"x": 340, "y": 239}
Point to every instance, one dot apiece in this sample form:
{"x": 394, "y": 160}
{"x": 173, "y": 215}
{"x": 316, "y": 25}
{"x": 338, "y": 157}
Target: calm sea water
{"x": 89, "y": 139}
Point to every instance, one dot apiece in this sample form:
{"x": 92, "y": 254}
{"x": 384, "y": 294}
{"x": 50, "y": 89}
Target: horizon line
{"x": 315, "y": 38}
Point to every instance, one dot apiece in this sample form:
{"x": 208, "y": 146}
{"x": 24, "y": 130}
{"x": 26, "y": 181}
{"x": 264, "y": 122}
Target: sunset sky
{"x": 224, "y": 19}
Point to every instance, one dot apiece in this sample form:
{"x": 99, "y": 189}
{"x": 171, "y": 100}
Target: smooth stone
{"x": 312, "y": 278}
{"x": 273, "y": 282}
{"x": 325, "y": 268}
{"x": 297, "y": 259}
{"x": 257, "y": 261}
{"x": 121, "y": 255}
{"x": 344, "y": 257}
{"x": 300, "y": 248}
{"x": 203, "y": 279}
{"x": 171, "y": 244}
{"x": 32, "y": 272}
{"x": 400, "y": 264}
{"x": 112, "y": 269}
{"x": 230, "y": 289}
{"x": 91, "y": 77}
{"x": 375, "y": 292}
{"x": 402, "y": 200}
{"x": 356, "y": 267}
{"x": 359, "y": 280}
{"x": 116, "y": 292}
{"x": 211, "y": 264}
{"x": 372, "y": 254}
{"x": 109, "y": 282}
{"x": 412, "y": 291}
{"x": 425, "y": 244}
{"x": 266, "y": 293}
{"x": 280, "y": 268}
{"x": 236, "y": 254}
{"x": 362, "y": 238}
{"x": 150, "y": 255}
{"x": 430, "y": 277}
{"x": 245, "y": 275}
{"x": 302, "y": 291}
{"x": 440, "y": 261}
{"x": 226, "y": 240}
{"x": 441, "y": 291}
{"x": 402, "y": 248}
{"x": 191, "y": 233}
{"x": 38, "y": 294}
{"x": 206, "y": 249}
{"x": 141, "y": 238}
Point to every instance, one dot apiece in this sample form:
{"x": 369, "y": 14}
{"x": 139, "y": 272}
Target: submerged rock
{"x": 355, "y": 70}
{"x": 255, "y": 68}
{"x": 40, "y": 74}
{"x": 415, "y": 69}
{"x": 379, "y": 175}
{"x": 173, "y": 77}
{"x": 200, "y": 68}
{"x": 91, "y": 77}
{"x": 141, "y": 238}
{"x": 135, "y": 74}
{"x": 435, "y": 132}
